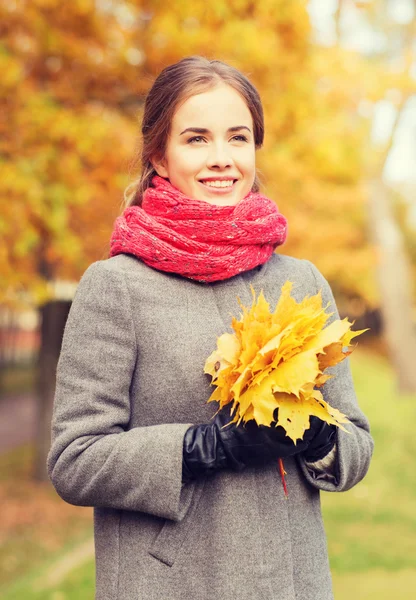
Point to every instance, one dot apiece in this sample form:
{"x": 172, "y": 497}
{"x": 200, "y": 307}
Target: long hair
{"x": 176, "y": 83}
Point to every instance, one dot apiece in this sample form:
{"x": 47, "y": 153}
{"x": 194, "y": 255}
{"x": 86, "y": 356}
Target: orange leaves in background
{"x": 66, "y": 137}
{"x": 278, "y": 360}
{"x": 73, "y": 81}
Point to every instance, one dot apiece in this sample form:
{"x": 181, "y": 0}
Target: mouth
{"x": 218, "y": 186}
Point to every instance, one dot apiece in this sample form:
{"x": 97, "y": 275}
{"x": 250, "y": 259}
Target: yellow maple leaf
{"x": 228, "y": 348}
{"x": 276, "y": 360}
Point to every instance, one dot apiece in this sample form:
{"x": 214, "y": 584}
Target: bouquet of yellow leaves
{"x": 278, "y": 360}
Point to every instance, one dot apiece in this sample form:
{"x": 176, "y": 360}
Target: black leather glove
{"x": 322, "y": 443}
{"x": 210, "y": 447}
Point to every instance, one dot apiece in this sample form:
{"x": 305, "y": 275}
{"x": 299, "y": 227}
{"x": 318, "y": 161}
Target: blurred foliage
{"x": 74, "y": 78}
{"x": 36, "y": 524}
{"x": 16, "y": 380}
{"x": 405, "y": 216}
{"x": 65, "y": 138}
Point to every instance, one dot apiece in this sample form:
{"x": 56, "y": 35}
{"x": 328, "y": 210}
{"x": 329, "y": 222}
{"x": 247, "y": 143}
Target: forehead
{"x": 221, "y": 106}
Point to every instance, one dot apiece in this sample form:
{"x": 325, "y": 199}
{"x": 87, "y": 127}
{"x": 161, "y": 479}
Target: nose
{"x": 219, "y": 157}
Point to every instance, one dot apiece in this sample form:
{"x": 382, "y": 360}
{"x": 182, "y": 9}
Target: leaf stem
{"x": 282, "y": 475}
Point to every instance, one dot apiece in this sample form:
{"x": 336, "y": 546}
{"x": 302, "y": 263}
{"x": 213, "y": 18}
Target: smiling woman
{"x": 186, "y": 508}
{"x": 216, "y": 166}
{"x": 206, "y": 98}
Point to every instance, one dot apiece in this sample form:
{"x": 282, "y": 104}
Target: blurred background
{"x": 338, "y": 83}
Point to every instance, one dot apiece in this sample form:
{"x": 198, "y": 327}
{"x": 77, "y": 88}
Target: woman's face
{"x": 210, "y": 154}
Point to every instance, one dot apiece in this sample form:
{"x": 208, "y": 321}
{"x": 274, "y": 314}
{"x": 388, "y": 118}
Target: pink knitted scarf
{"x": 171, "y": 232}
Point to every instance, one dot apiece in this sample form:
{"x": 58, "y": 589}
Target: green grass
{"x": 79, "y": 585}
{"x": 374, "y": 585}
{"x": 371, "y": 529}
{"x": 36, "y": 526}
{"x": 17, "y": 380}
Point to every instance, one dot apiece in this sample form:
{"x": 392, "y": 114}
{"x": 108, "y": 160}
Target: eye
{"x": 240, "y": 138}
{"x": 196, "y": 138}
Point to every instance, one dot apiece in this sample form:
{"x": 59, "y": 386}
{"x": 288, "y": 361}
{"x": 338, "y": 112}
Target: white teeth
{"x": 219, "y": 184}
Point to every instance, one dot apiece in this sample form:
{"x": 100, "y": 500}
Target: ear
{"x": 159, "y": 165}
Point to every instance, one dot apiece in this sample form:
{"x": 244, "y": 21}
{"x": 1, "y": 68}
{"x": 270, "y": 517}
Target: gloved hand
{"x": 322, "y": 442}
{"x": 210, "y": 447}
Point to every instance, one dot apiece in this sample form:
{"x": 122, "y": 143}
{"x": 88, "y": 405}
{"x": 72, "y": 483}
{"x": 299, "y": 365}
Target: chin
{"x": 223, "y": 201}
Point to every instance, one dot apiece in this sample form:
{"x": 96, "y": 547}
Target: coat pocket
{"x": 173, "y": 534}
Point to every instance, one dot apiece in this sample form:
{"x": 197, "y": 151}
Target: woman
{"x": 185, "y": 509}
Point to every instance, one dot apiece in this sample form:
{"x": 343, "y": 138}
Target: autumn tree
{"x": 67, "y": 133}
{"x": 387, "y": 78}
{"x": 75, "y": 77}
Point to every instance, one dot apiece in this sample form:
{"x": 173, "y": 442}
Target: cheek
{"x": 248, "y": 172}
{"x": 247, "y": 159}
{"x": 187, "y": 163}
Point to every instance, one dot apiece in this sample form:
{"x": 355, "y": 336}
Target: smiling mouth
{"x": 218, "y": 184}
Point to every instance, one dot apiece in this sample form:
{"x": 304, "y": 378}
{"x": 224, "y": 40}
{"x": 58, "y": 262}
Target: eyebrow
{"x": 202, "y": 130}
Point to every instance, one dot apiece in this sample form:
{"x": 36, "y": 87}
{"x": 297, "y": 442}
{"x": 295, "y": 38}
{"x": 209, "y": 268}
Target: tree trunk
{"x": 53, "y": 318}
{"x": 394, "y": 278}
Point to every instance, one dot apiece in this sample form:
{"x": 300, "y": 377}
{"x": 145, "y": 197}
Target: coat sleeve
{"x": 95, "y": 460}
{"x": 354, "y": 449}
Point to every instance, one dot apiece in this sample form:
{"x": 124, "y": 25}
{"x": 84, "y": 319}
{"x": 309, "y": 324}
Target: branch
{"x": 408, "y": 42}
{"x": 387, "y": 150}
{"x": 337, "y": 18}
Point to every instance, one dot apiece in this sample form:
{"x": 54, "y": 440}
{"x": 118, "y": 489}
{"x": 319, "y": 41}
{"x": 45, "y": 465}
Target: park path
{"x": 67, "y": 563}
{"x": 17, "y": 427}
{"x": 17, "y": 421}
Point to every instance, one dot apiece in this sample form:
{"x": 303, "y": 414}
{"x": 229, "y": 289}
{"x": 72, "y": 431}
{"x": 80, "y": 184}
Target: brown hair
{"x": 190, "y": 76}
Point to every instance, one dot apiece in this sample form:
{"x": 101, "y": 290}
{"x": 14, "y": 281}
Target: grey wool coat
{"x": 130, "y": 382}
